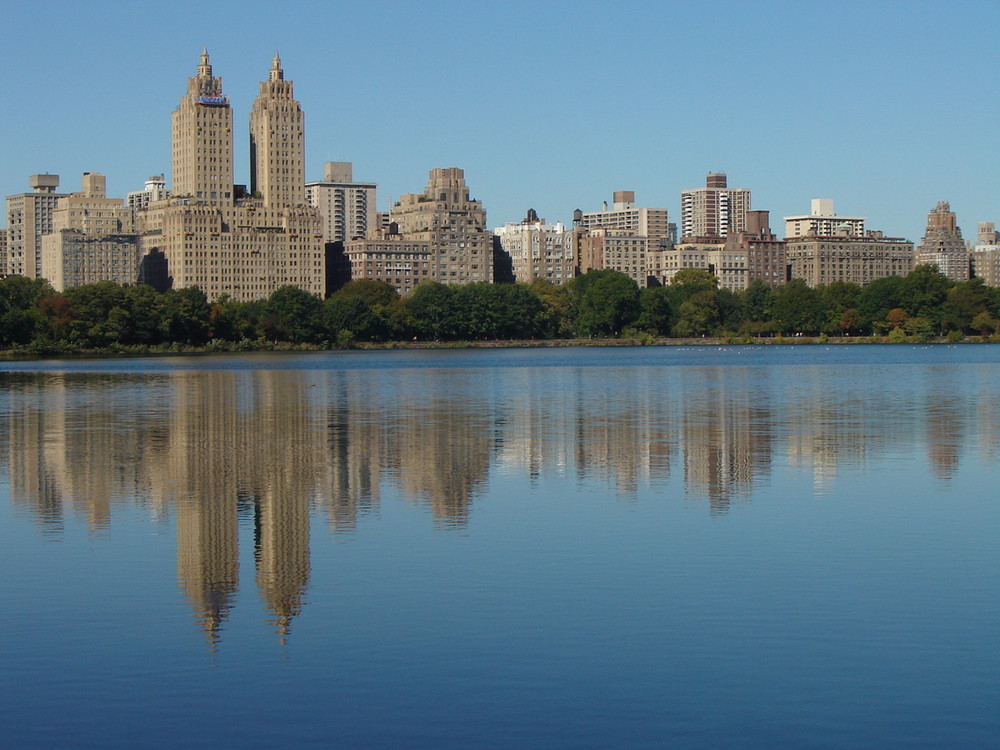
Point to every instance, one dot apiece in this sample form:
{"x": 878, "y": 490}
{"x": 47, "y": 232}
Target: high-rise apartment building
{"x": 155, "y": 189}
{"x": 29, "y": 218}
{"x": 763, "y": 252}
{"x": 986, "y": 254}
{"x": 538, "y": 250}
{"x": 846, "y": 257}
{"x": 729, "y": 266}
{"x": 277, "y": 142}
{"x": 942, "y": 244}
{"x": 390, "y": 257}
{"x": 822, "y": 221}
{"x": 202, "y": 153}
{"x": 626, "y": 219}
{"x": 221, "y": 242}
{"x": 714, "y": 210}
{"x": 92, "y": 239}
{"x": 347, "y": 207}
{"x": 454, "y": 225}
{"x": 630, "y": 254}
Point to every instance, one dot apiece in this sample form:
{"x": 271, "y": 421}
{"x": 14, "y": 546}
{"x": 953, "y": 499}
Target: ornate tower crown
{"x": 276, "y": 74}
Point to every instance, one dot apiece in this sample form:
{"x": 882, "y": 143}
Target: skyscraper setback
{"x": 215, "y": 238}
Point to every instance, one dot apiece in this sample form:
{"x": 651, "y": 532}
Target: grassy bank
{"x": 59, "y": 351}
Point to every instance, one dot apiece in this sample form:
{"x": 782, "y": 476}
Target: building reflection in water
{"x": 280, "y": 447}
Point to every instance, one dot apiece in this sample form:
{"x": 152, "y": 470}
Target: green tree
{"x": 20, "y": 317}
{"x": 757, "y": 301}
{"x": 186, "y": 317}
{"x": 878, "y": 298}
{"x": 656, "y": 311}
{"x": 145, "y": 309}
{"x": 375, "y": 293}
{"x": 557, "y": 315}
{"x": 963, "y": 303}
{"x": 797, "y": 308}
{"x": 432, "y": 307}
{"x": 293, "y": 314}
{"x": 608, "y": 302}
{"x": 101, "y": 315}
{"x": 353, "y": 313}
{"x": 923, "y": 292}
{"x": 836, "y": 299}
{"x": 694, "y": 280}
{"x": 699, "y": 314}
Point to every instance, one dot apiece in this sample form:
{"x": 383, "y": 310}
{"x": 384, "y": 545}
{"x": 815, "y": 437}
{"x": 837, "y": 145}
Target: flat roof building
{"x": 29, "y": 218}
{"x": 822, "y": 221}
{"x": 347, "y": 207}
{"x": 714, "y": 210}
{"x": 626, "y": 219}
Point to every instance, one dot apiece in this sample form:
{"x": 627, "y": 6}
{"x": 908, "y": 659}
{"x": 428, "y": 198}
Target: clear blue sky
{"x": 886, "y": 107}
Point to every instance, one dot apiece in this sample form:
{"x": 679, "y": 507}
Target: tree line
{"x": 921, "y": 306}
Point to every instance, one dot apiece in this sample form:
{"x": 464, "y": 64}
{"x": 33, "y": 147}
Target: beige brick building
{"x": 728, "y": 265}
{"x": 29, "y": 218}
{"x": 626, "y": 219}
{"x": 453, "y": 225}
{"x": 860, "y": 260}
{"x": 538, "y": 250}
{"x": 224, "y": 243}
{"x": 942, "y": 244}
{"x": 986, "y": 254}
{"x": 763, "y": 252}
{"x": 822, "y": 221}
{"x": 390, "y": 257}
{"x": 93, "y": 239}
{"x": 601, "y": 249}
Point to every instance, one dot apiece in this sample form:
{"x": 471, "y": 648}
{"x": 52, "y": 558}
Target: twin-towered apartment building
{"x": 226, "y": 239}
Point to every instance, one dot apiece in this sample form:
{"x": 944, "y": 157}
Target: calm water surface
{"x": 676, "y": 547}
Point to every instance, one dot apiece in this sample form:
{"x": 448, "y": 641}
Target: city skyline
{"x": 552, "y": 108}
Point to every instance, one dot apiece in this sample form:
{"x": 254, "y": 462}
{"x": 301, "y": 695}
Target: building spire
{"x": 204, "y": 67}
{"x": 276, "y": 74}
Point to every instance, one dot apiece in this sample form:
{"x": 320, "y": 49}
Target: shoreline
{"x": 249, "y": 347}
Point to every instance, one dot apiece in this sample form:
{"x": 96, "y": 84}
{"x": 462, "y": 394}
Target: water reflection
{"x": 280, "y": 448}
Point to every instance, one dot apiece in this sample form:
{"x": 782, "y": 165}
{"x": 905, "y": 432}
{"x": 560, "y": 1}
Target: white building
{"x": 538, "y": 250}
{"x": 155, "y": 190}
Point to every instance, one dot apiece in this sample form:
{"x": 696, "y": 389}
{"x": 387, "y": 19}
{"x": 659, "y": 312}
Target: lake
{"x": 685, "y": 547}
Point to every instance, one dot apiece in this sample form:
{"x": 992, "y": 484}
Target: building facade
{"x": 714, "y": 210}
{"x": 625, "y": 219}
{"x": 822, "y": 221}
{"x": 155, "y": 190}
{"x": 453, "y": 225}
{"x": 92, "y": 239}
{"x": 729, "y": 266}
{"x": 277, "y": 143}
{"x": 763, "y": 252}
{"x": 347, "y": 207}
{"x": 224, "y": 243}
{"x": 859, "y": 260}
{"x": 390, "y": 257}
{"x": 986, "y": 254}
{"x": 538, "y": 250}
{"x": 29, "y": 218}
{"x": 942, "y": 244}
